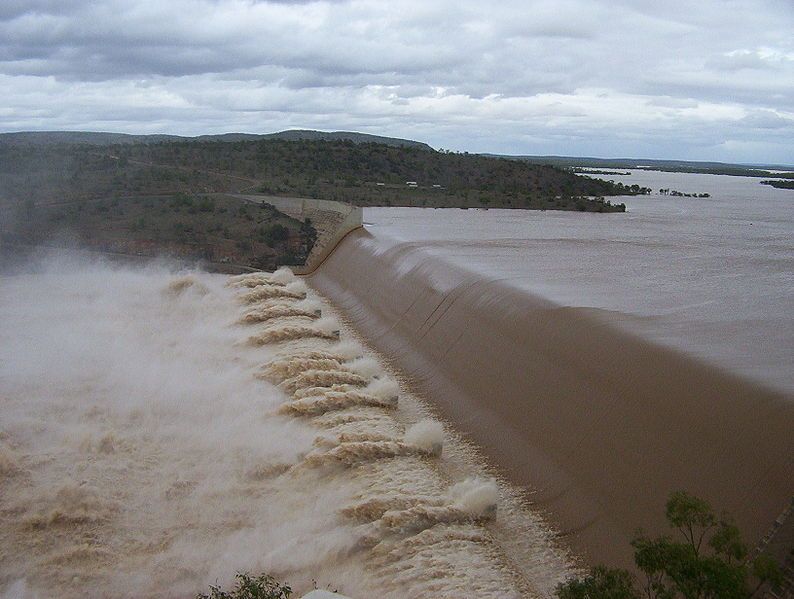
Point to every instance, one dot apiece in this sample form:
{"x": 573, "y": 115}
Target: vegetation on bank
{"x": 167, "y": 197}
{"x": 367, "y": 174}
{"x": 707, "y": 559}
{"x": 779, "y": 184}
{"x": 216, "y": 229}
{"x": 668, "y": 166}
{"x": 681, "y": 194}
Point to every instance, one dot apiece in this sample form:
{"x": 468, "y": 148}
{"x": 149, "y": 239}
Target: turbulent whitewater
{"x": 161, "y": 431}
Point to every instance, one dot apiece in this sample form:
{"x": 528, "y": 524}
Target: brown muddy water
{"x": 711, "y": 277}
{"x": 601, "y": 361}
{"x": 161, "y": 431}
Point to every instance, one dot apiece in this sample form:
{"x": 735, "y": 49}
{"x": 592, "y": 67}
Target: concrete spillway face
{"x": 600, "y": 425}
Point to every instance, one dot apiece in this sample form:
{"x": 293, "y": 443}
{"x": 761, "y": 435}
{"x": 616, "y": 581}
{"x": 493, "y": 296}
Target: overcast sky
{"x": 692, "y": 79}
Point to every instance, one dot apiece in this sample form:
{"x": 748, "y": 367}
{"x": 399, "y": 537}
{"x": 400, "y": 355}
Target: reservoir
{"x": 713, "y": 277}
{"x": 600, "y": 361}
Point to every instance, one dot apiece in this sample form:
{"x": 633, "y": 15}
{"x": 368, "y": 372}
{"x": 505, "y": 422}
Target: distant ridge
{"x": 102, "y": 138}
{"x": 638, "y": 163}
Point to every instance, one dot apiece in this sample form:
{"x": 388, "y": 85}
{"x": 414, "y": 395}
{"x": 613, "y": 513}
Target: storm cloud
{"x": 706, "y": 80}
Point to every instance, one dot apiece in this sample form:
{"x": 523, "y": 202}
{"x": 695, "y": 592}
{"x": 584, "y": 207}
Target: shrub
{"x": 711, "y": 562}
{"x": 247, "y": 587}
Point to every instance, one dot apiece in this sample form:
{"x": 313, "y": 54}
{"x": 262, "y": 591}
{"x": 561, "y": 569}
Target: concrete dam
{"x": 597, "y": 424}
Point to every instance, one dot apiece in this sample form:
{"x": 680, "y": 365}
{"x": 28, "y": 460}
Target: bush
{"x": 711, "y": 562}
{"x": 260, "y": 587}
{"x": 276, "y": 233}
{"x": 601, "y": 583}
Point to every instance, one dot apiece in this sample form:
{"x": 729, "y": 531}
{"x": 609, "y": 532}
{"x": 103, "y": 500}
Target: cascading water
{"x": 154, "y": 440}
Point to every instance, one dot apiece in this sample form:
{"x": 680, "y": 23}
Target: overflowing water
{"x": 160, "y": 432}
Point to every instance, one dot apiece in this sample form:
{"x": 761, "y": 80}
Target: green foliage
{"x": 308, "y": 234}
{"x": 275, "y": 233}
{"x": 308, "y": 168}
{"x": 206, "y": 205}
{"x": 710, "y": 563}
{"x": 181, "y": 199}
{"x": 600, "y": 583}
{"x": 691, "y": 516}
{"x": 247, "y": 587}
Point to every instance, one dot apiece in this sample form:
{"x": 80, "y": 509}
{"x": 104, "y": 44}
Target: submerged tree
{"x": 706, "y": 560}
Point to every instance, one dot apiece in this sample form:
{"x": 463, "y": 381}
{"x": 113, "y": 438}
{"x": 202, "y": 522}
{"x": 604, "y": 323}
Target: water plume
{"x": 373, "y": 509}
{"x": 339, "y": 419}
{"x": 420, "y": 517}
{"x": 307, "y": 354}
{"x": 471, "y": 501}
{"x": 282, "y": 276}
{"x": 360, "y": 423}
{"x": 181, "y": 285}
{"x": 427, "y": 434}
{"x": 341, "y": 352}
{"x": 356, "y": 437}
{"x": 356, "y": 452}
{"x": 250, "y": 281}
{"x": 317, "y": 391}
{"x": 278, "y": 301}
{"x": 383, "y": 387}
{"x": 366, "y": 367}
{"x": 322, "y": 378}
{"x": 335, "y": 400}
{"x": 292, "y": 332}
{"x": 296, "y": 290}
{"x": 476, "y": 496}
{"x": 280, "y": 370}
{"x": 266, "y": 314}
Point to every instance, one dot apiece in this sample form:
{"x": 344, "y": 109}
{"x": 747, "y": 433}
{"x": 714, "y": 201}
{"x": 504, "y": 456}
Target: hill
{"x": 39, "y": 138}
{"x": 367, "y": 174}
{"x": 177, "y": 197}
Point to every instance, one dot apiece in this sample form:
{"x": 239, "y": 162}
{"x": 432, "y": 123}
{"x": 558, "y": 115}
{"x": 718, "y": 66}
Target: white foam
{"x": 384, "y": 387}
{"x": 153, "y": 457}
{"x": 366, "y": 367}
{"x": 283, "y": 276}
{"x": 427, "y": 434}
{"x": 475, "y": 496}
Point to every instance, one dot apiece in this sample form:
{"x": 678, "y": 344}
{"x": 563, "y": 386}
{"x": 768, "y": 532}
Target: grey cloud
{"x": 686, "y": 75}
{"x": 767, "y": 119}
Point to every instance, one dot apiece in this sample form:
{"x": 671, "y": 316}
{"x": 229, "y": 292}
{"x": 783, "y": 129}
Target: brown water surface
{"x": 601, "y": 361}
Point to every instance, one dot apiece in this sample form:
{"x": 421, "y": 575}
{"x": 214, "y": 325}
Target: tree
{"x": 308, "y": 235}
{"x": 600, "y": 583}
{"x": 710, "y": 561}
{"x": 249, "y": 587}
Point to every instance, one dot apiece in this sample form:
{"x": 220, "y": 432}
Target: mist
{"x": 144, "y": 453}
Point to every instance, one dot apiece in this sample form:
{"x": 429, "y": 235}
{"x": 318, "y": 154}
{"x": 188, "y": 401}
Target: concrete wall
{"x": 599, "y": 425}
{"x": 332, "y": 220}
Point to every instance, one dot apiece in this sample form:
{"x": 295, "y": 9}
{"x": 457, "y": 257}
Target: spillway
{"x": 149, "y": 449}
{"x": 598, "y": 424}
